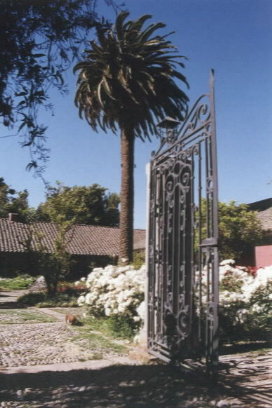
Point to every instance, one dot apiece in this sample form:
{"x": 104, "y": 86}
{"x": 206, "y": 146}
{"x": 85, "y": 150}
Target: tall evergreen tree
{"x": 127, "y": 82}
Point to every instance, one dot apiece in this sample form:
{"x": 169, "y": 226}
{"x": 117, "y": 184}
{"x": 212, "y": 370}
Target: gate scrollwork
{"x": 183, "y": 237}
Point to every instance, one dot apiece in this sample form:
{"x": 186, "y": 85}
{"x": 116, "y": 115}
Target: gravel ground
{"x": 143, "y": 386}
{"x": 21, "y": 316}
{"x": 45, "y": 343}
{"x": 41, "y": 366}
{"x": 244, "y": 381}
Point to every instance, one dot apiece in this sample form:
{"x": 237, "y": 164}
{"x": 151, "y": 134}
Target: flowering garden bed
{"x": 245, "y": 299}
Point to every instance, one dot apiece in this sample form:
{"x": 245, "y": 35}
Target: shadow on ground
{"x": 8, "y": 299}
{"x": 11, "y": 305}
{"x": 146, "y": 386}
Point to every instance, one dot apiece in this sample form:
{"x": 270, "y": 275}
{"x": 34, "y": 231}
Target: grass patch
{"x": 95, "y": 335}
{"x": 116, "y": 327}
{"x": 98, "y": 342}
{"x": 20, "y": 282}
{"x": 19, "y": 316}
{"x": 43, "y": 300}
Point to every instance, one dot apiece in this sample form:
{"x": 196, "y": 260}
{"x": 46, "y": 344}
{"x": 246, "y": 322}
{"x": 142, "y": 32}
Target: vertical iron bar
{"x": 157, "y": 266}
{"x": 192, "y": 277}
{"x": 214, "y": 156}
{"x": 215, "y": 281}
{"x": 200, "y": 239}
{"x": 207, "y": 193}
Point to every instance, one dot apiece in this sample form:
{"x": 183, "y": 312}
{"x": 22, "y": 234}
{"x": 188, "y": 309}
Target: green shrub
{"x": 17, "y": 283}
{"x": 239, "y": 322}
{"x": 138, "y": 259}
{"x": 122, "y": 327}
{"x": 118, "y": 327}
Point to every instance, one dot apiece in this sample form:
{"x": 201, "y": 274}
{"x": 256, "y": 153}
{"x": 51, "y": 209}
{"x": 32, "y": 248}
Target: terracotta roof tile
{"x": 81, "y": 239}
{"x": 265, "y": 218}
{"x": 264, "y": 212}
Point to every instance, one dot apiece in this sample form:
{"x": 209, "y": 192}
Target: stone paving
{"x": 42, "y": 367}
{"x": 32, "y": 344}
{"x": 142, "y": 386}
{"x": 43, "y": 343}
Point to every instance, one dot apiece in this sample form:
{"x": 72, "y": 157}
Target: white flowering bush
{"x": 245, "y": 300}
{"x": 115, "y": 291}
{"x": 245, "y": 303}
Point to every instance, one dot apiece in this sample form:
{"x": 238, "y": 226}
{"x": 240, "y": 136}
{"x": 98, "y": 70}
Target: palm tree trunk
{"x": 126, "y": 197}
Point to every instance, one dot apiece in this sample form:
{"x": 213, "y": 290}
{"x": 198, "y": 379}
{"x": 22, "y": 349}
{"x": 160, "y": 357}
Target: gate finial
{"x": 212, "y": 78}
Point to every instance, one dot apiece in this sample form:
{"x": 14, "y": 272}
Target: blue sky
{"x": 232, "y": 36}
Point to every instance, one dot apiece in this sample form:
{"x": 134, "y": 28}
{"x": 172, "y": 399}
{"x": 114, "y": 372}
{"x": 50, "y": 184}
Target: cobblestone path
{"x": 38, "y": 344}
{"x": 33, "y": 344}
{"x": 142, "y": 386}
{"x": 43, "y": 365}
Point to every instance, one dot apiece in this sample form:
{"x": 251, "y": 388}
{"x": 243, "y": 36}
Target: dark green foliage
{"x": 122, "y": 326}
{"x": 38, "y": 41}
{"x": 12, "y": 201}
{"x": 239, "y": 230}
{"x": 80, "y": 205}
{"x": 128, "y": 78}
{"x": 54, "y": 266}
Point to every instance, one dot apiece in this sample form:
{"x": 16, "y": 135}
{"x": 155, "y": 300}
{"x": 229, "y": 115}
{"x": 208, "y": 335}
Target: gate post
{"x": 144, "y": 330}
{"x": 212, "y": 356}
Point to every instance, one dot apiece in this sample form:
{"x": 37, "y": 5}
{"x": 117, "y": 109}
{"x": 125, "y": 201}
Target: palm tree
{"x": 127, "y": 83}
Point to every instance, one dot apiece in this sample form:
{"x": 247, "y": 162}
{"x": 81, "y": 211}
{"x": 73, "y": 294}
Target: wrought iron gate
{"x": 183, "y": 237}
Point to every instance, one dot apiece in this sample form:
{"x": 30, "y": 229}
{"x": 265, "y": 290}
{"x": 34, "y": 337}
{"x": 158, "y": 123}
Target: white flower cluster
{"x": 249, "y": 283}
{"x": 82, "y": 281}
{"x": 120, "y": 290}
{"x": 115, "y": 290}
{"x": 248, "y": 287}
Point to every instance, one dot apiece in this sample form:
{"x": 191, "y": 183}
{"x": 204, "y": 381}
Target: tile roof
{"x": 81, "y": 239}
{"x": 264, "y": 212}
{"x": 261, "y": 205}
{"x": 265, "y": 218}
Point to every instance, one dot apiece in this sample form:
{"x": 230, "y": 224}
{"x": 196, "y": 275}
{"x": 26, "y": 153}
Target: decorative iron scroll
{"x": 183, "y": 236}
